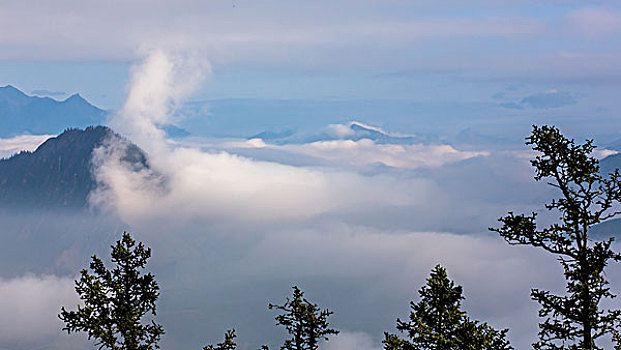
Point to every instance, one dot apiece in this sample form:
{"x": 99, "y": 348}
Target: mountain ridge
{"x": 22, "y": 113}
{"x": 353, "y": 131}
{"x": 58, "y": 174}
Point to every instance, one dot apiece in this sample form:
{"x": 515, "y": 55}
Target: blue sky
{"x": 443, "y": 56}
{"x": 382, "y": 49}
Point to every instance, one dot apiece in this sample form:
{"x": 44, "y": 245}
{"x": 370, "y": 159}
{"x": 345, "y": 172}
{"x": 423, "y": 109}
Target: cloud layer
{"x": 253, "y": 228}
{"x": 10, "y": 146}
{"x": 30, "y": 305}
{"x": 196, "y": 183}
{"x": 364, "y": 153}
{"x": 231, "y": 233}
{"x": 231, "y": 31}
{"x": 401, "y": 36}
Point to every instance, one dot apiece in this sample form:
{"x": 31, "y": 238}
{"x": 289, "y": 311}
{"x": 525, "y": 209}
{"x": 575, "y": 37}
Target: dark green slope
{"x": 58, "y": 174}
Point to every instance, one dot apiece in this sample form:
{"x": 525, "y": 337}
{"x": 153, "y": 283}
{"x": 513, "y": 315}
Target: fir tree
{"x": 116, "y": 301}
{"x": 227, "y": 344}
{"x": 437, "y": 322}
{"x": 574, "y": 320}
{"x": 304, "y": 321}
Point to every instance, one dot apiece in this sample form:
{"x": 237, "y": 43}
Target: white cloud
{"x": 366, "y": 277}
{"x": 10, "y": 146}
{"x": 603, "y": 153}
{"x": 253, "y": 228}
{"x": 29, "y": 306}
{"x": 340, "y": 130}
{"x": 242, "y": 31}
{"x": 206, "y": 185}
{"x": 392, "y": 36}
{"x": 351, "y": 341}
{"x": 192, "y": 183}
{"x": 197, "y": 184}
{"x": 365, "y": 152}
{"x": 158, "y": 86}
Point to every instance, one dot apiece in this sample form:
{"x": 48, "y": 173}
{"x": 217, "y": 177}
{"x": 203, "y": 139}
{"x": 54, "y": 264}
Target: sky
{"x": 235, "y": 218}
{"x": 487, "y": 61}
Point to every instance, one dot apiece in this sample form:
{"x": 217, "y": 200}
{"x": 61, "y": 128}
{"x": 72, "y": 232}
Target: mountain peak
{"x": 355, "y": 125}
{"x": 10, "y": 91}
{"x": 362, "y": 130}
{"x": 353, "y": 131}
{"x": 75, "y": 98}
{"x": 9, "y": 87}
{"x": 21, "y": 113}
{"x": 58, "y": 174}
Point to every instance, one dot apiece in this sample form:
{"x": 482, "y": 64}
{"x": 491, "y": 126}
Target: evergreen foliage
{"x": 304, "y": 321}
{"x": 437, "y": 322}
{"x": 117, "y": 300}
{"x": 574, "y": 320}
{"x": 227, "y": 344}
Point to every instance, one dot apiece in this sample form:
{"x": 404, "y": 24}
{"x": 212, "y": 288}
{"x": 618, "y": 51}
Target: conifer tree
{"x": 304, "y": 321}
{"x": 574, "y": 320}
{"x": 116, "y": 301}
{"x": 227, "y": 344}
{"x": 437, "y": 322}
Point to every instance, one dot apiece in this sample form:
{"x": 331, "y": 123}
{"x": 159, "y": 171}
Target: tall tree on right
{"x": 574, "y": 320}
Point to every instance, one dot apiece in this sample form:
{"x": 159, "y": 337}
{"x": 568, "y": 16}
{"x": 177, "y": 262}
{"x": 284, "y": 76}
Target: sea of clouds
{"x": 358, "y": 228}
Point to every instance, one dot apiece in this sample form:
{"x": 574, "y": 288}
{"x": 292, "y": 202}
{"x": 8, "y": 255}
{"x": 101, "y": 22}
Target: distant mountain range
{"x": 58, "y": 174}
{"x": 353, "y": 131}
{"x": 24, "y": 114}
{"x": 610, "y": 163}
{"x": 21, "y": 113}
{"x": 609, "y": 228}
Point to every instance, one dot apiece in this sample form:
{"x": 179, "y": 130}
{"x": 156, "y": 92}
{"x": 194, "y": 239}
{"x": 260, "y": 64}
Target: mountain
{"x": 612, "y": 227}
{"x": 615, "y": 145}
{"x": 353, "y": 131}
{"x": 21, "y": 113}
{"x": 362, "y": 131}
{"x": 58, "y": 174}
{"x": 610, "y": 163}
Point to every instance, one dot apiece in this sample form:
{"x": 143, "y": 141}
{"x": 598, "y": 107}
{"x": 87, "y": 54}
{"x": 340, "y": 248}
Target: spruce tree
{"x": 227, "y": 344}
{"x": 304, "y": 321}
{"x": 574, "y": 320}
{"x": 116, "y": 301}
{"x": 437, "y": 322}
